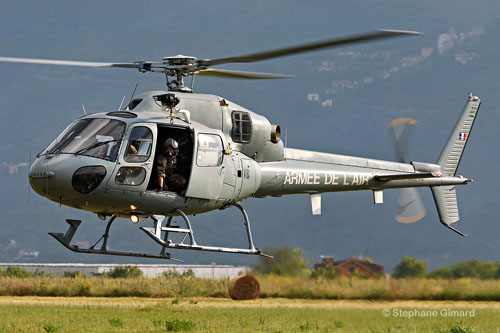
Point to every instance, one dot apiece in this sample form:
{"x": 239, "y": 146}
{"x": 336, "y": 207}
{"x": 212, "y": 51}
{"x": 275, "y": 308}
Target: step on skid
{"x": 156, "y": 234}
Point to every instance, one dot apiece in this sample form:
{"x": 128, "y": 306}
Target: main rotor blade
{"x": 240, "y": 74}
{"x": 68, "y": 63}
{"x": 258, "y": 56}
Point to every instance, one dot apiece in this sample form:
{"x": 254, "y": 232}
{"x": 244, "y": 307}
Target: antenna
{"x": 133, "y": 93}
{"x": 47, "y": 180}
{"x": 286, "y": 139}
{"x": 83, "y": 108}
{"x": 29, "y": 189}
{"x": 121, "y": 104}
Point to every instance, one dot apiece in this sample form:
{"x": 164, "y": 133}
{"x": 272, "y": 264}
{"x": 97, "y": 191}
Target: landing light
{"x": 133, "y": 207}
{"x": 134, "y": 219}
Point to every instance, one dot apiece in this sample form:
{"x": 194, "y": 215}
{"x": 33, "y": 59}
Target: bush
{"x": 50, "y": 328}
{"x": 74, "y": 274}
{"x": 115, "y": 322}
{"x": 124, "y": 272}
{"x": 286, "y": 262}
{"x": 172, "y": 273}
{"x": 14, "y": 271}
{"x": 40, "y": 273}
{"x": 327, "y": 272}
{"x": 410, "y": 267}
{"x": 179, "y": 325}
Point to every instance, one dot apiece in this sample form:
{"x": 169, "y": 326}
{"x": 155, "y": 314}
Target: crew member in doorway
{"x": 166, "y": 165}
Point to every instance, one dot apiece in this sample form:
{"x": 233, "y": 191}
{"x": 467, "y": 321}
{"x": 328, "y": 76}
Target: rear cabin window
{"x": 209, "y": 150}
{"x": 242, "y": 127}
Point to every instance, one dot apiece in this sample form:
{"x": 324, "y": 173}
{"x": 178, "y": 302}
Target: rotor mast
{"x": 179, "y": 67}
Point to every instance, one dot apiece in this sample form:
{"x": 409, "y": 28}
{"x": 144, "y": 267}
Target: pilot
{"x": 132, "y": 149}
{"x": 166, "y": 165}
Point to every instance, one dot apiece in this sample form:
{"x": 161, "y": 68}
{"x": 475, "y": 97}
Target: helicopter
{"x": 108, "y": 163}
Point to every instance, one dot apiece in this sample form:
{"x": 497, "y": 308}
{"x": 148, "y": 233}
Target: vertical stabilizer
{"x": 445, "y": 197}
{"x": 452, "y": 151}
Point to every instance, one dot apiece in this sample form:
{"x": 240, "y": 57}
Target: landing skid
{"x": 65, "y": 240}
{"x": 156, "y": 234}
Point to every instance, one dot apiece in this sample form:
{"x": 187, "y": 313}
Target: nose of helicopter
{"x": 65, "y": 177}
{"x": 48, "y": 179}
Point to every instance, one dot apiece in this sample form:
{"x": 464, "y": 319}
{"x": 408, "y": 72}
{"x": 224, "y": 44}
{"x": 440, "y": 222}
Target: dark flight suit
{"x": 166, "y": 167}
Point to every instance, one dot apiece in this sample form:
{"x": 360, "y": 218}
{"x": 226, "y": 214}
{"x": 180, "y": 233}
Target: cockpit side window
{"x": 242, "y": 127}
{"x": 94, "y": 137}
{"x": 139, "y": 145}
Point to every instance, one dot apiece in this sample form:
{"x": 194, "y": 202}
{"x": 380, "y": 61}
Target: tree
{"x": 286, "y": 262}
{"x": 441, "y": 273}
{"x": 410, "y": 267}
{"x": 475, "y": 269}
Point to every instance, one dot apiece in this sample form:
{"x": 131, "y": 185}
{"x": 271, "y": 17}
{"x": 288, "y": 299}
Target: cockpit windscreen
{"x": 95, "y": 137}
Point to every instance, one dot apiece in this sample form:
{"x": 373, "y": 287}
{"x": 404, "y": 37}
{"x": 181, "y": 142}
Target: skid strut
{"x": 156, "y": 233}
{"x": 65, "y": 240}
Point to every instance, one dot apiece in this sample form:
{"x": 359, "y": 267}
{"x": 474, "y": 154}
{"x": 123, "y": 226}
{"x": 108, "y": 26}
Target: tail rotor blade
{"x": 402, "y": 131}
{"x": 410, "y": 208}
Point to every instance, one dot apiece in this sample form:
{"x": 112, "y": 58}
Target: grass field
{"x": 464, "y": 289}
{"x": 83, "y": 314}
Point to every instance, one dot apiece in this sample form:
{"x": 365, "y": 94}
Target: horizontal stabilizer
{"x": 406, "y": 176}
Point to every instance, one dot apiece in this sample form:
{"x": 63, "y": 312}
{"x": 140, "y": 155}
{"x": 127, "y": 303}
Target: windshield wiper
{"x": 95, "y": 145}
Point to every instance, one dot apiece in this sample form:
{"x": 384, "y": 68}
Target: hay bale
{"x": 244, "y": 287}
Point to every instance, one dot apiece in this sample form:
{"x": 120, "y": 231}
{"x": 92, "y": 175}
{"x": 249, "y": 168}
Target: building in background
{"x": 353, "y": 267}
{"x": 201, "y": 271}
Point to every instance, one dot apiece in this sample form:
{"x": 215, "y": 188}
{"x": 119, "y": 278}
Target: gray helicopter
{"x": 171, "y": 154}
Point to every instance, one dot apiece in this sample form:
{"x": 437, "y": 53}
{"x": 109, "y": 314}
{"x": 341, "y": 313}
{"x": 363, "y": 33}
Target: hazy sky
{"x": 340, "y": 102}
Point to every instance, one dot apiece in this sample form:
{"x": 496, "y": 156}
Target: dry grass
{"x": 271, "y": 287}
{"x": 107, "y": 287}
{"x": 381, "y": 289}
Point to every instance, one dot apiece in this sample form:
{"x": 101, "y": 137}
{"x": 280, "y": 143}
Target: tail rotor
{"x": 410, "y": 208}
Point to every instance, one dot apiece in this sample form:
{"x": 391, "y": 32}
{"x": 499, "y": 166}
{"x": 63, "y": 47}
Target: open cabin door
{"x": 207, "y": 173}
